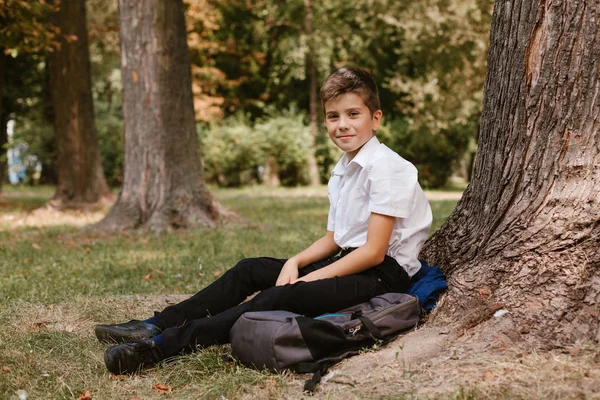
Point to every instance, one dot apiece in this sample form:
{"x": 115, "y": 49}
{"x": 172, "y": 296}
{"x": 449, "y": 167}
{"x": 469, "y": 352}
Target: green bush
{"x": 286, "y": 139}
{"x": 231, "y": 152}
{"x": 235, "y": 151}
{"x": 434, "y": 154}
{"x": 112, "y": 146}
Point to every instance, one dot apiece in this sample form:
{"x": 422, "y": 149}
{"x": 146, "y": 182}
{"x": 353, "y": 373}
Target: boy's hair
{"x": 351, "y": 80}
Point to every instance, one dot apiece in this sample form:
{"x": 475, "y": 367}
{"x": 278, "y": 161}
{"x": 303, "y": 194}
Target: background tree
{"x": 3, "y": 133}
{"x": 163, "y": 183}
{"x": 526, "y": 234}
{"x": 24, "y": 30}
{"x": 78, "y": 162}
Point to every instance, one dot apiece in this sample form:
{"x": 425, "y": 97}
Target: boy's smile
{"x": 349, "y": 122}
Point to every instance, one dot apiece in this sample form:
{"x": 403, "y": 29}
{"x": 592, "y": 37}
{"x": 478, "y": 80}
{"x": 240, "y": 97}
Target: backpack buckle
{"x": 353, "y": 331}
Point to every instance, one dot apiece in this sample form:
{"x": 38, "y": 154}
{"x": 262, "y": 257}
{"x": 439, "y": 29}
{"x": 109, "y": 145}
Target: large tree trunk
{"x": 79, "y": 166}
{"x": 313, "y": 169}
{"x": 163, "y": 182}
{"x": 526, "y": 235}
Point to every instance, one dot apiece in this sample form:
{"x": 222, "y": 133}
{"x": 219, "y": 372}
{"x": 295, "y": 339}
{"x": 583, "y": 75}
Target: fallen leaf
{"x": 155, "y": 270}
{"x": 27, "y": 260}
{"x": 87, "y": 249}
{"x": 159, "y": 387}
{"x": 36, "y": 246}
{"x": 145, "y": 241}
{"x": 485, "y": 291}
{"x": 217, "y": 273}
{"x": 148, "y": 277}
{"x": 42, "y": 324}
{"x": 5, "y": 368}
{"x": 86, "y": 395}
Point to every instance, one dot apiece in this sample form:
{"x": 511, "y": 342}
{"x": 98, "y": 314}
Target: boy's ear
{"x": 376, "y": 118}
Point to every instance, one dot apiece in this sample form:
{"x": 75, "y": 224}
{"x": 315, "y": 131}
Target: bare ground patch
{"x": 429, "y": 362}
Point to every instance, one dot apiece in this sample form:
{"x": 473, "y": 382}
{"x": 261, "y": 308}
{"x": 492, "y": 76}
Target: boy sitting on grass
{"x": 378, "y": 217}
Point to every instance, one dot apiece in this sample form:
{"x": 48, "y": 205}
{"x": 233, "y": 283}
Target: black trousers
{"x": 206, "y": 318}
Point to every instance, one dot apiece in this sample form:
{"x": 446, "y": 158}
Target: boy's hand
{"x": 288, "y": 274}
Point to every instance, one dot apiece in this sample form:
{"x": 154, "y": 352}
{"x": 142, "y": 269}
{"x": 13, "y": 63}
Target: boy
{"x": 378, "y": 217}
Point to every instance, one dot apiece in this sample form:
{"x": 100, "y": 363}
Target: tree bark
{"x": 313, "y": 169}
{"x": 79, "y": 166}
{"x": 526, "y": 234}
{"x": 163, "y": 183}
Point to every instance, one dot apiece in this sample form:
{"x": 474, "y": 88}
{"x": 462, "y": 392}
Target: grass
{"x": 58, "y": 282}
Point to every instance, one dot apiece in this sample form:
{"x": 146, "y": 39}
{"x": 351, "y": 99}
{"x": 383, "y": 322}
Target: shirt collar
{"x": 361, "y": 158}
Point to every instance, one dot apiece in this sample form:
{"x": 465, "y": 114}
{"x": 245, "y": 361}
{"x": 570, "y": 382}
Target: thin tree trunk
{"x": 313, "y": 169}
{"x": 526, "y": 235}
{"x": 163, "y": 184}
{"x": 79, "y": 166}
{"x": 271, "y": 173}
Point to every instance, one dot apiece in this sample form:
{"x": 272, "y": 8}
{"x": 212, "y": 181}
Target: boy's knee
{"x": 277, "y": 298}
{"x": 245, "y": 264}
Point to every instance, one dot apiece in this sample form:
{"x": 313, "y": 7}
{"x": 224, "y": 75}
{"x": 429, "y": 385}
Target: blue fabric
{"x": 153, "y": 321}
{"x": 158, "y": 340}
{"x": 427, "y": 285}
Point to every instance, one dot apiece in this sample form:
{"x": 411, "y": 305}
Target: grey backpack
{"x": 281, "y": 340}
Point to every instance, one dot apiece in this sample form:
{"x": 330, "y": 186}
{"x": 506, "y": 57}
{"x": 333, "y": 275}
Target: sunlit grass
{"x": 59, "y": 281}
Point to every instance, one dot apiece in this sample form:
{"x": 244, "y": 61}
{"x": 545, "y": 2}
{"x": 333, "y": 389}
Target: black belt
{"x": 347, "y": 250}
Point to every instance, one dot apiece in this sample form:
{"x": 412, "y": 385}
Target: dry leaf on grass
{"x": 36, "y": 246}
{"x": 42, "y": 324}
{"x": 159, "y": 387}
{"x": 217, "y": 273}
{"x": 148, "y": 277}
{"x": 5, "y": 368}
{"x": 86, "y": 395}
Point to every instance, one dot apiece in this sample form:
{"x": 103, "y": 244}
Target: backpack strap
{"x": 315, "y": 368}
{"x": 371, "y": 327}
{"x": 311, "y": 384}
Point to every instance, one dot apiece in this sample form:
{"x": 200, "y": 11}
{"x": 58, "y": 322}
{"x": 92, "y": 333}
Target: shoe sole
{"x": 105, "y": 335}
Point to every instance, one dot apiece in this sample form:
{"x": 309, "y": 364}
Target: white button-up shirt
{"x": 379, "y": 180}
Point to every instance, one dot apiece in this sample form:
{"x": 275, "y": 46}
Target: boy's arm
{"x": 366, "y": 256}
{"x": 324, "y": 247}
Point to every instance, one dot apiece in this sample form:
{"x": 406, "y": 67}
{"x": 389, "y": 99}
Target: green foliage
{"x": 231, "y": 152}
{"x": 433, "y": 154}
{"x": 109, "y": 124}
{"x": 236, "y": 151}
{"x": 286, "y": 139}
{"x": 24, "y": 27}
{"x": 249, "y": 57}
{"x": 428, "y": 57}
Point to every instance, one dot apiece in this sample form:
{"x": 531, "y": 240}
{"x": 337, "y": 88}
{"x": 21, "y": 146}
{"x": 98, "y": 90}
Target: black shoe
{"x": 126, "y": 332}
{"x": 129, "y": 358}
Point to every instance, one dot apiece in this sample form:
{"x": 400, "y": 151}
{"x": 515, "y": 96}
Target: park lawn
{"x": 58, "y": 281}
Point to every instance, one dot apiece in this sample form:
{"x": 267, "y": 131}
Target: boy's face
{"x": 349, "y": 122}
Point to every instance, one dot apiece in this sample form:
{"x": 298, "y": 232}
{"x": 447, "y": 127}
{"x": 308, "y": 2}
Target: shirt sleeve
{"x": 392, "y": 188}
{"x": 331, "y": 217}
